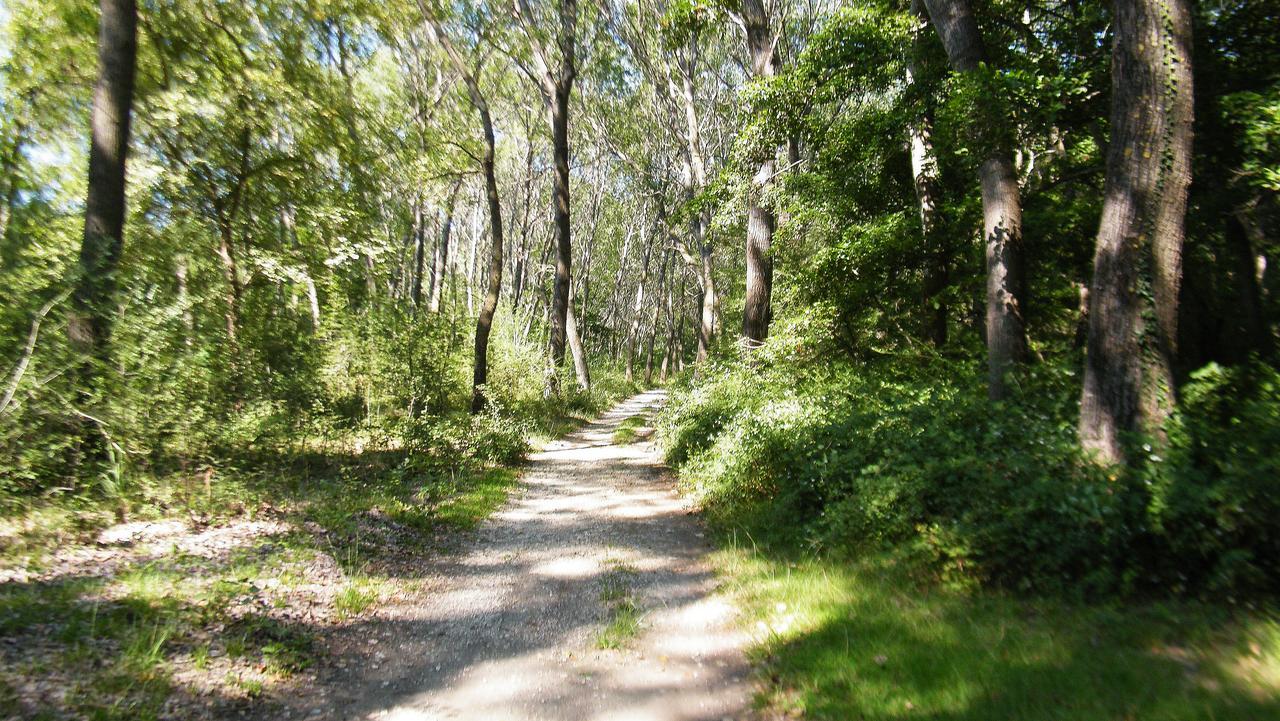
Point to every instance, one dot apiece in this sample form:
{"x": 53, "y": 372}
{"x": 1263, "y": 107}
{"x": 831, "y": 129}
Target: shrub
{"x": 855, "y": 457}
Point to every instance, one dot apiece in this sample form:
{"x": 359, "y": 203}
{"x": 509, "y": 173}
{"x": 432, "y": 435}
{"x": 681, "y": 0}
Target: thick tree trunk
{"x": 757, "y": 310}
{"x": 1001, "y": 206}
{"x": 103, "y": 239}
{"x": 1137, "y": 265}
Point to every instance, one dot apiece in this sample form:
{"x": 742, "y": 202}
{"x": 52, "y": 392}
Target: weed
{"x": 629, "y": 430}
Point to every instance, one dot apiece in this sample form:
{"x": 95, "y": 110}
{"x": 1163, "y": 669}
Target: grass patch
{"x": 864, "y": 640}
{"x": 355, "y": 598}
{"x": 629, "y": 430}
{"x": 481, "y": 496}
{"x": 623, "y": 613}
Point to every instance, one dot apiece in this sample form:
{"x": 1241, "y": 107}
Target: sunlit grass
{"x": 863, "y": 640}
{"x": 629, "y": 430}
{"x": 623, "y": 614}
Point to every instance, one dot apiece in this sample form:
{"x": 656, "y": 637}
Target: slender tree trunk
{"x": 103, "y": 239}
{"x": 924, "y": 172}
{"x": 440, "y": 260}
{"x": 231, "y": 292}
{"x": 484, "y": 323}
{"x": 313, "y": 302}
{"x": 184, "y": 301}
{"x": 419, "y": 252}
{"x": 559, "y": 112}
{"x": 580, "y": 367}
{"x": 634, "y": 333}
{"x": 653, "y": 320}
{"x": 1137, "y": 266}
{"x": 757, "y": 307}
{"x": 1001, "y": 206}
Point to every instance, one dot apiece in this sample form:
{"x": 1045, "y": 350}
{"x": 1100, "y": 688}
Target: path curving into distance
{"x": 510, "y": 627}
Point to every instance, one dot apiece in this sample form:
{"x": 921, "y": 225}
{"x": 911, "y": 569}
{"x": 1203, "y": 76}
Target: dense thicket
{"x": 893, "y": 246}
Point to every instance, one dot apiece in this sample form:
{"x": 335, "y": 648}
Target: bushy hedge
{"x": 855, "y": 457}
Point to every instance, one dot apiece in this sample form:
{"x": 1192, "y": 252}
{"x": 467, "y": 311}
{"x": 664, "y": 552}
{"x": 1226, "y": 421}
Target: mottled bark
{"x": 757, "y": 306}
{"x": 1137, "y": 266}
{"x": 484, "y": 323}
{"x": 580, "y": 368}
{"x": 1001, "y": 205}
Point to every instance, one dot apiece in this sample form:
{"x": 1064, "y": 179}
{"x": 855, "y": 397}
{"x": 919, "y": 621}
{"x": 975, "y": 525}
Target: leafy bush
{"x": 1216, "y": 497}
{"x": 853, "y": 458}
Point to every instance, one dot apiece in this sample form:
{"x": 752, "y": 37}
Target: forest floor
{"x": 343, "y": 590}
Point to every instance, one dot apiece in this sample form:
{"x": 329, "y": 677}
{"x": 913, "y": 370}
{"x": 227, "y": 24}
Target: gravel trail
{"x": 512, "y": 626}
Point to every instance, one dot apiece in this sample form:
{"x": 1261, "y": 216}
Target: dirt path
{"x": 512, "y": 627}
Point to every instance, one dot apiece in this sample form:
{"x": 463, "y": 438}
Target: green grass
{"x": 629, "y": 430}
{"x": 482, "y": 495}
{"x": 623, "y": 613}
{"x": 355, "y": 598}
{"x": 865, "y": 640}
{"x": 367, "y": 509}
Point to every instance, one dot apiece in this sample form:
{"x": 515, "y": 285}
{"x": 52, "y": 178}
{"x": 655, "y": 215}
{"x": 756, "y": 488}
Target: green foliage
{"x": 1216, "y": 490}
{"x": 859, "y": 458}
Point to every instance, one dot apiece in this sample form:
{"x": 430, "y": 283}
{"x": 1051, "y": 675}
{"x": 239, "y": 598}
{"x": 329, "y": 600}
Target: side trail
{"x": 512, "y": 626}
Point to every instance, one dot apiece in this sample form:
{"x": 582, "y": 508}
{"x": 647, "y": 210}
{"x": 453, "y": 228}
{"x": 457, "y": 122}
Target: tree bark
{"x": 559, "y": 116}
{"x": 484, "y": 323}
{"x": 580, "y": 368}
{"x": 925, "y": 176}
{"x": 1001, "y": 207}
{"x": 440, "y": 260}
{"x": 757, "y": 309}
{"x": 103, "y": 238}
{"x": 1137, "y": 265}
{"x": 419, "y": 231}
{"x": 634, "y": 332}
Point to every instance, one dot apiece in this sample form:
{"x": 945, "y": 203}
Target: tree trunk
{"x": 419, "y": 252}
{"x": 580, "y": 367}
{"x": 559, "y": 115}
{"x": 924, "y": 172}
{"x": 1001, "y": 206}
{"x": 1137, "y": 265}
{"x": 484, "y": 323}
{"x": 634, "y": 332}
{"x": 653, "y": 320}
{"x": 104, "y": 216}
{"x": 757, "y": 311}
{"x": 440, "y": 260}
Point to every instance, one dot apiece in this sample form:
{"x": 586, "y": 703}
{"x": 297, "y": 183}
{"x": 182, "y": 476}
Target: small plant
{"x": 624, "y": 615}
{"x": 629, "y": 430}
{"x": 354, "y": 599}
